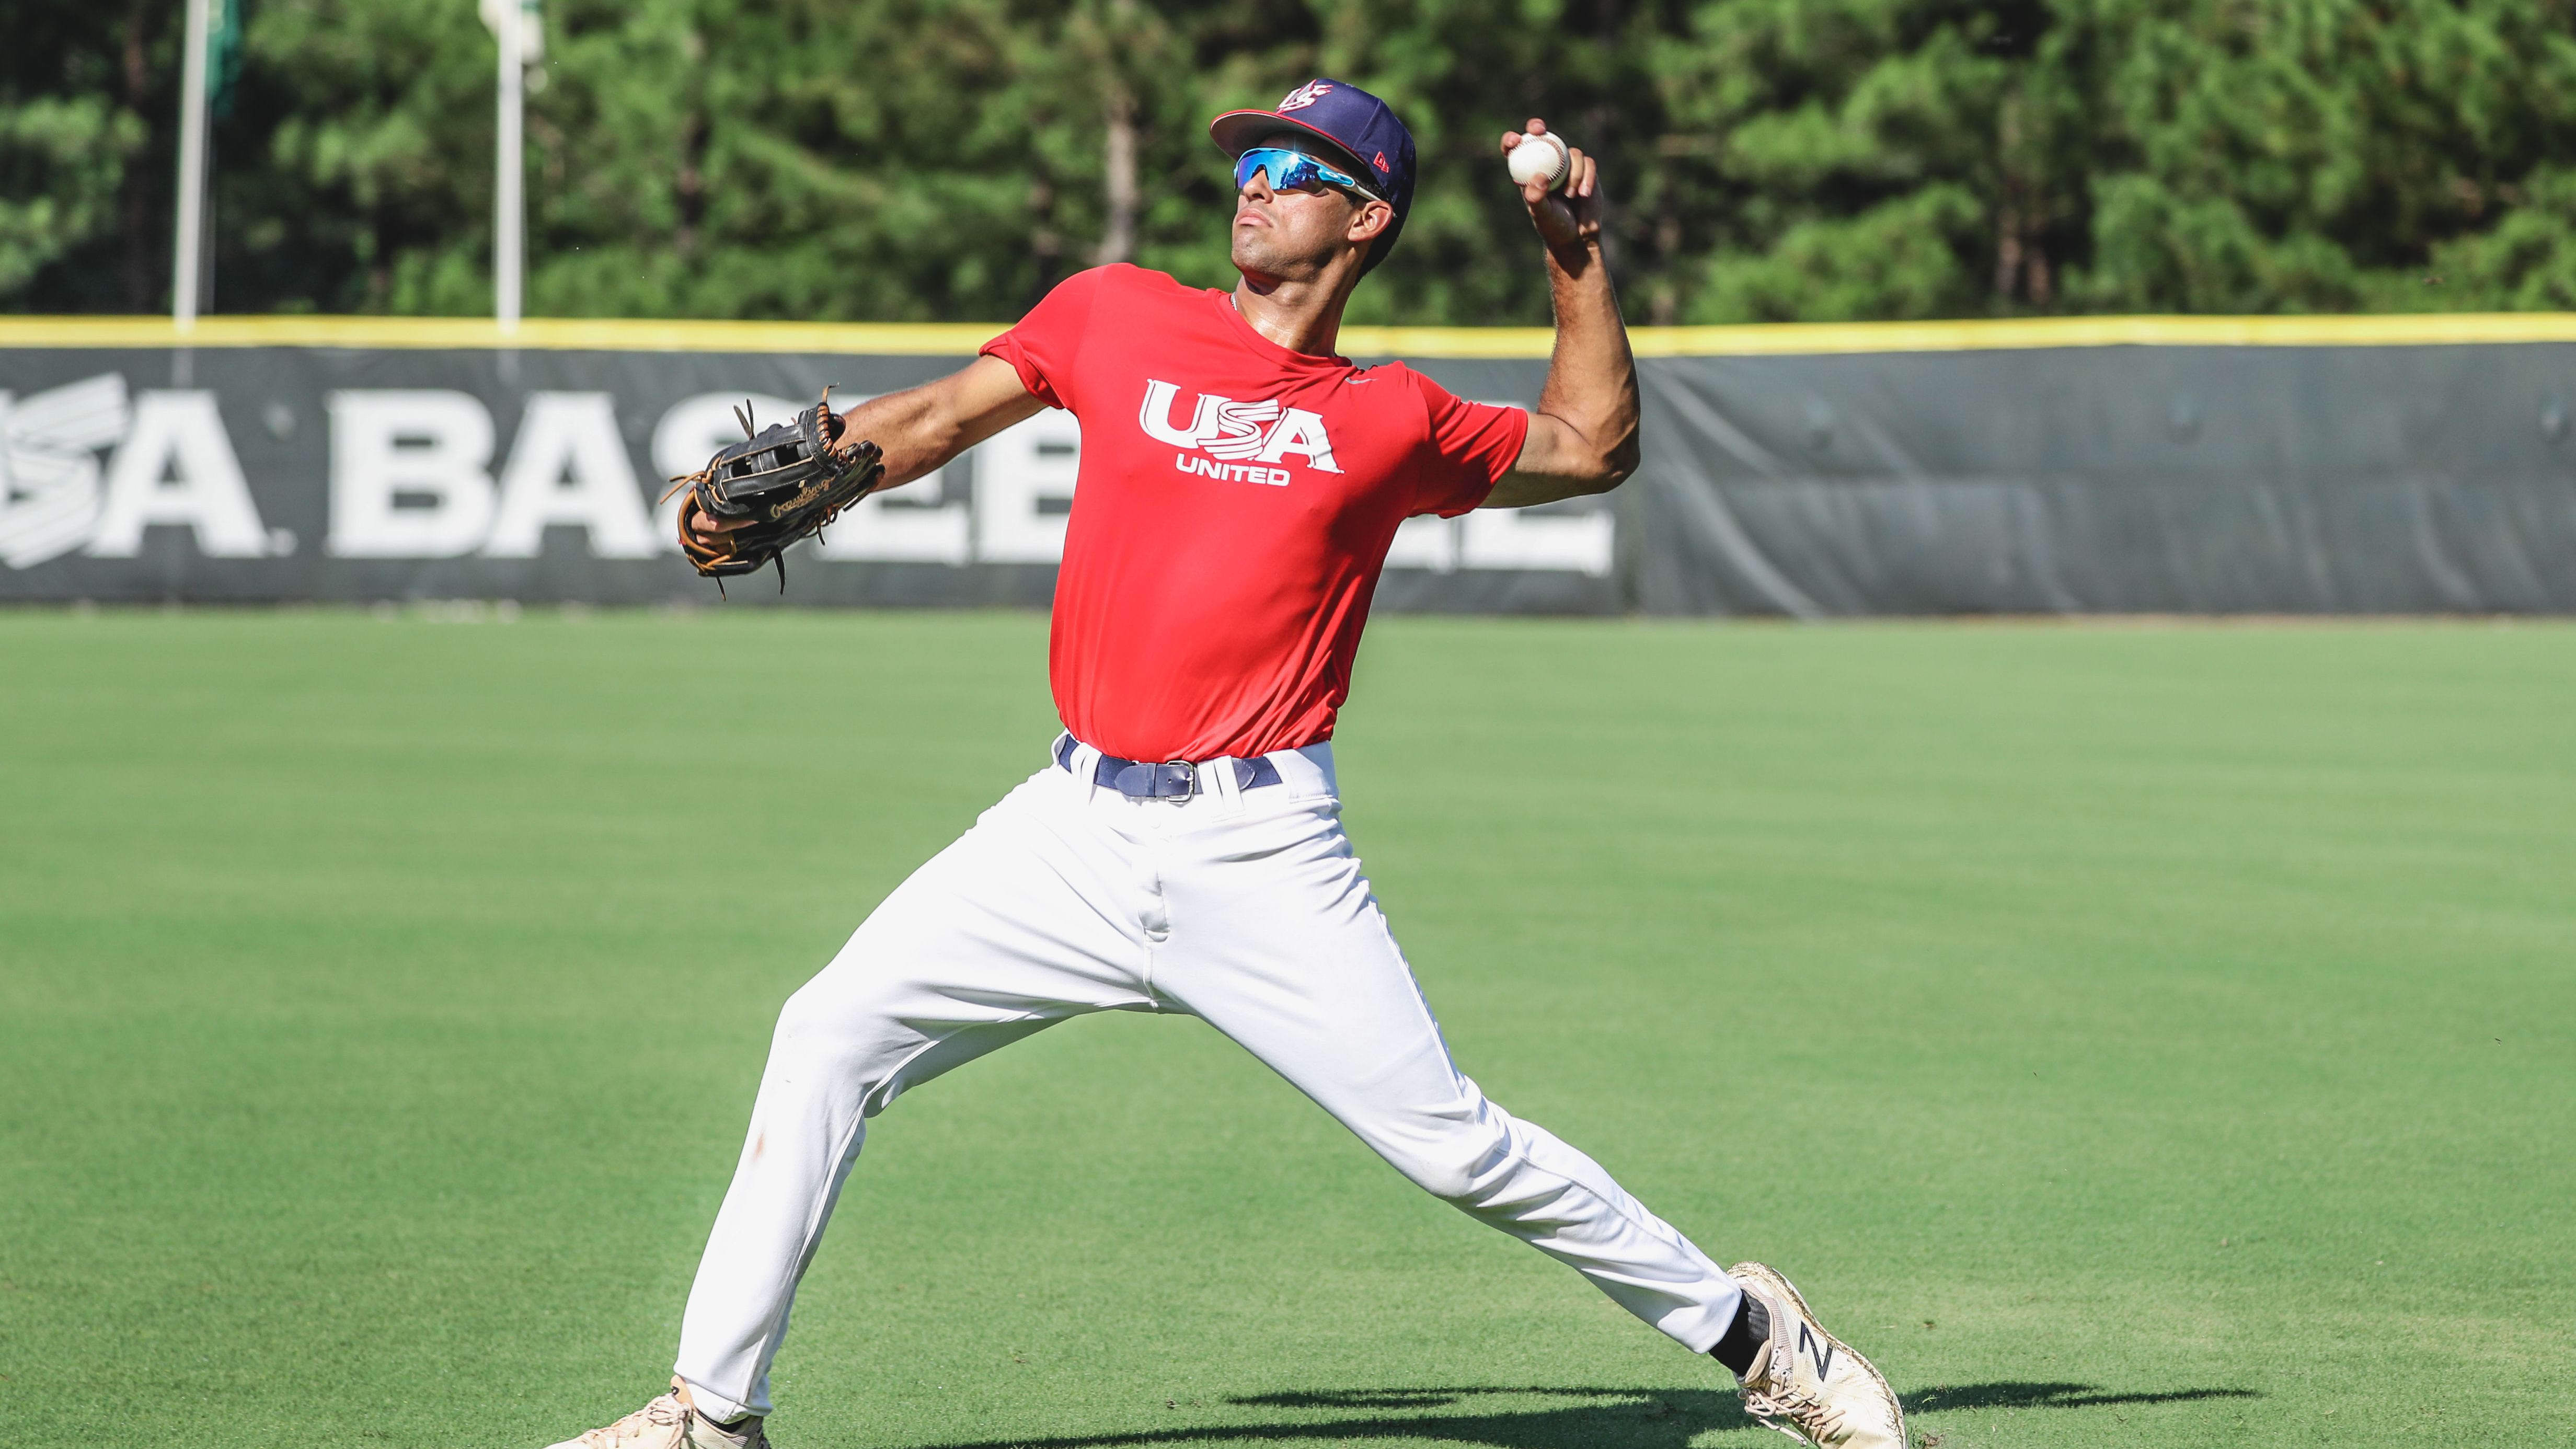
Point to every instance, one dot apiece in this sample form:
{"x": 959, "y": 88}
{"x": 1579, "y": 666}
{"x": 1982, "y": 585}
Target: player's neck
{"x": 1302, "y": 316}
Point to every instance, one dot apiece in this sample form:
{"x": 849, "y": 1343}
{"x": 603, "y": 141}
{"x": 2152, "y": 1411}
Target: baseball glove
{"x": 788, "y": 479}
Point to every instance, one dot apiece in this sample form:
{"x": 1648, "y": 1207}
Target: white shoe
{"x": 670, "y": 1422}
{"x": 1808, "y": 1384}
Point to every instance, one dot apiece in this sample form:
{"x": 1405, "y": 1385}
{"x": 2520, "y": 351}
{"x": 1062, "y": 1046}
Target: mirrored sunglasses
{"x": 1294, "y": 171}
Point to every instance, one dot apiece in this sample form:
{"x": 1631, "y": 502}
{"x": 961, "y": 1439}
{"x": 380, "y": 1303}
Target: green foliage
{"x": 927, "y": 159}
{"x": 62, "y": 161}
{"x": 2529, "y": 259}
{"x": 78, "y": 168}
{"x": 2313, "y": 155}
{"x": 374, "y": 192}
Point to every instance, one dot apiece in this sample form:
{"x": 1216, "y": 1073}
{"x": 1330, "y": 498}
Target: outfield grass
{"x": 2146, "y": 1036}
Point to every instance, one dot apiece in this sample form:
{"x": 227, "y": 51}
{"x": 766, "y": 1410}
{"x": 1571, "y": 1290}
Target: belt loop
{"x": 1080, "y": 761}
{"x": 1217, "y": 777}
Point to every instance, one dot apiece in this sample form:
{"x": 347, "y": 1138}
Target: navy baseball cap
{"x": 1357, "y": 124}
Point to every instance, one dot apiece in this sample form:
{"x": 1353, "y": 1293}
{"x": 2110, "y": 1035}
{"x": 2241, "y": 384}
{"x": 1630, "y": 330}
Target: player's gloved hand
{"x": 779, "y": 484}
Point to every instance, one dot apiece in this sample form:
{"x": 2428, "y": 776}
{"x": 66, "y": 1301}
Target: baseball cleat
{"x": 670, "y": 1422}
{"x": 1810, "y": 1385}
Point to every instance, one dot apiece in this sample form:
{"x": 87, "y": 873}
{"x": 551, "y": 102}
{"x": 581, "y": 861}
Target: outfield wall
{"x": 2378, "y": 465}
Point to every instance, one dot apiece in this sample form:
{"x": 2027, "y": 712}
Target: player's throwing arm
{"x": 1583, "y": 434}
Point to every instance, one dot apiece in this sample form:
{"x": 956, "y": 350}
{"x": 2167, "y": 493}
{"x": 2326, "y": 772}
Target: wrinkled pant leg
{"x": 1023, "y": 922}
{"x": 1278, "y": 942}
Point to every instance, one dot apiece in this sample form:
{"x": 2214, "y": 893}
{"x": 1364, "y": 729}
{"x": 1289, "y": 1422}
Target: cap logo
{"x": 1378, "y": 161}
{"x": 1305, "y": 95}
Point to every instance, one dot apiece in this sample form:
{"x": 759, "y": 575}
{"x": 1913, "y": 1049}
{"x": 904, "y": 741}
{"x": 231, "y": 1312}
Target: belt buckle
{"x": 1143, "y": 780}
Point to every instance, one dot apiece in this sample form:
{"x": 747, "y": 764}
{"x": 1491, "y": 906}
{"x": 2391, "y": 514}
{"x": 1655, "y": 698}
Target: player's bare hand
{"x": 1568, "y": 219}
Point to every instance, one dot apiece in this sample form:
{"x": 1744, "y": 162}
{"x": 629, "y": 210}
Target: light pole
{"x": 509, "y": 221}
{"x": 185, "y": 266}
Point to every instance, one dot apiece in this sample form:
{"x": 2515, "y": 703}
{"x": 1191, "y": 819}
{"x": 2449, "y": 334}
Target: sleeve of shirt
{"x": 1046, "y": 347}
{"x": 1472, "y": 446}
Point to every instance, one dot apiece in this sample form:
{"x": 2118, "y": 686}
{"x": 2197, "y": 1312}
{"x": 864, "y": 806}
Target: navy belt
{"x": 1170, "y": 780}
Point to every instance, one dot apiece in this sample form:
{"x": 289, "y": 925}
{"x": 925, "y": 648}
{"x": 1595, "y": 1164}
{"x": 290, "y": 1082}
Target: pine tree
{"x": 921, "y": 159}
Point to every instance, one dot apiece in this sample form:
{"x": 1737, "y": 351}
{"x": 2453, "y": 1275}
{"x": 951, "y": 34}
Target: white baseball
{"x": 1541, "y": 158}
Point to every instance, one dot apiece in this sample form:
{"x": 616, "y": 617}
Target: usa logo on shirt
{"x": 1239, "y": 439}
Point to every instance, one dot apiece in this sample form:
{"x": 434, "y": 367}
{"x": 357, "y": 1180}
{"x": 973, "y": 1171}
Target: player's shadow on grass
{"x": 1596, "y": 1419}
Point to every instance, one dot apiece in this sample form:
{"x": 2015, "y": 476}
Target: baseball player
{"x": 1180, "y": 849}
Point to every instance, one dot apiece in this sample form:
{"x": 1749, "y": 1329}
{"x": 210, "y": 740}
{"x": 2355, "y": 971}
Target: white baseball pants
{"x": 1245, "y": 908}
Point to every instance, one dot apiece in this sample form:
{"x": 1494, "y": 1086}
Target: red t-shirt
{"x": 1233, "y": 508}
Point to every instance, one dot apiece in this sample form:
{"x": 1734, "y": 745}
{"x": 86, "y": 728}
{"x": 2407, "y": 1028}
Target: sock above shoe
{"x": 1742, "y": 1342}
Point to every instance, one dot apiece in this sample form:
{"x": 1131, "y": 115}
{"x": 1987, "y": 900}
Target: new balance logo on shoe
{"x": 1821, "y": 1351}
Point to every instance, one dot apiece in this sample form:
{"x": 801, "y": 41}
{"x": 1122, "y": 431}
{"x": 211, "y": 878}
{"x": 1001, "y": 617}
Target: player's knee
{"x": 1450, "y": 1158}
{"x": 826, "y": 1022}
{"x": 804, "y": 1017}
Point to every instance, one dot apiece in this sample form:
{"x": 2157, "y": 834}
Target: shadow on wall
{"x": 1596, "y": 1418}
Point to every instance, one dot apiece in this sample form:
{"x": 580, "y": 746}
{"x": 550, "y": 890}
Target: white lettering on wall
{"x": 408, "y": 475}
{"x": 49, "y": 444}
{"x": 177, "y": 467}
{"x": 568, "y": 466}
{"x": 411, "y": 476}
{"x": 898, "y": 526}
{"x": 901, "y": 526}
{"x": 1515, "y": 538}
{"x": 1019, "y": 472}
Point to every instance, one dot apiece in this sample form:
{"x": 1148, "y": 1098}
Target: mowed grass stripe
{"x": 2153, "y": 1036}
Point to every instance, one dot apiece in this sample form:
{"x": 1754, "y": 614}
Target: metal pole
{"x": 508, "y": 222}
{"x": 185, "y": 267}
